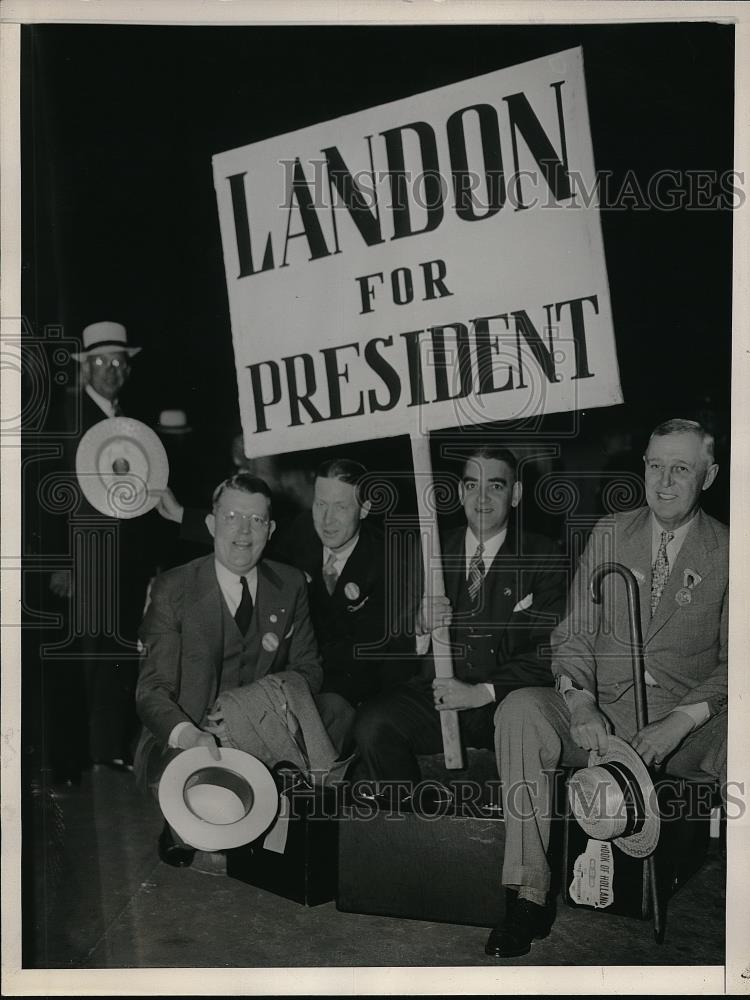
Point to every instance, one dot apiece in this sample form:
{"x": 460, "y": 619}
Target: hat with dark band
{"x": 105, "y": 338}
{"x": 614, "y": 799}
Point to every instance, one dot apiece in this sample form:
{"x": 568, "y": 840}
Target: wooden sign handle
{"x": 434, "y": 586}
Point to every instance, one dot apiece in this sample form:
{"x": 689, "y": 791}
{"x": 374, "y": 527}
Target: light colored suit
{"x": 183, "y": 638}
{"x": 685, "y": 652}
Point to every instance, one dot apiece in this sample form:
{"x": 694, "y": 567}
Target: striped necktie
{"x": 476, "y": 573}
{"x": 660, "y": 572}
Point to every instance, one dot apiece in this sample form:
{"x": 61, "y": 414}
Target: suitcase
{"x": 305, "y": 869}
{"x": 444, "y": 869}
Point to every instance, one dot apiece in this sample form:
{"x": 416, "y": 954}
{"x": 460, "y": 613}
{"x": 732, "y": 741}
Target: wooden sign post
{"x": 434, "y": 586}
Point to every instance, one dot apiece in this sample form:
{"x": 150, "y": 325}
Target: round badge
{"x": 270, "y": 642}
{"x": 273, "y": 618}
{"x": 352, "y": 591}
{"x": 683, "y": 596}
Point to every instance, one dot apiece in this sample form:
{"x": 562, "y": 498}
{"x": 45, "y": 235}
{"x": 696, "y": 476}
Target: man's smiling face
{"x": 678, "y": 469}
{"x": 488, "y": 492}
{"x": 241, "y": 526}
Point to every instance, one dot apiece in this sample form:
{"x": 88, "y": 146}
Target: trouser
{"x": 392, "y": 729}
{"x": 532, "y": 739}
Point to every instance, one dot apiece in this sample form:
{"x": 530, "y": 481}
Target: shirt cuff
{"x": 174, "y": 736}
{"x": 491, "y": 689}
{"x": 699, "y": 713}
{"x": 423, "y": 643}
{"x": 566, "y": 687}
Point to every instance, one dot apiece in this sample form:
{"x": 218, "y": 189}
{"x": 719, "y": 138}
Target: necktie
{"x": 330, "y": 573}
{"x": 116, "y": 408}
{"x": 244, "y": 612}
{"x": 660, "y": 572}
{"x": 476, "y": 573}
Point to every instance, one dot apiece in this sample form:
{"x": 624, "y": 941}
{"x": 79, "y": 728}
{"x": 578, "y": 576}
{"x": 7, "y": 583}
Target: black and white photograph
{"x": 372, "y": 429}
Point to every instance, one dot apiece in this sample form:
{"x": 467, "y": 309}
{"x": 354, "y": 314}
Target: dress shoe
{"x": 176, "y": 855}
{"x": 114, "y": 764}
{"x": 524, "y": 922}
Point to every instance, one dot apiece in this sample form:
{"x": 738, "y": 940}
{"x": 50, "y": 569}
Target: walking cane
{"x": 639, "y": 670}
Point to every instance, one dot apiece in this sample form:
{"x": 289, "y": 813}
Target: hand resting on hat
{"x": 589, "y": 726}
{"x": 191, "y": 736}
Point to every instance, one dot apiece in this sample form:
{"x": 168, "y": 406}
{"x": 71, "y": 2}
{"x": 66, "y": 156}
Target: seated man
{"x": 351, "y": 588}
{"x": 679, "y": 556}
{"x": 350, "y": 585}
{"x": 218, "y": 623}
{"x": 504, "y": 594}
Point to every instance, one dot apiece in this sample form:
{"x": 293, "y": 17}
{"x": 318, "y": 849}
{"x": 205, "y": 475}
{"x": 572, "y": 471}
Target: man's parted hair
{"x": 677, "y": 425}
{"x": 498, "y": 454}
{"x": 345, "y": 469}
{"x": 245, "y": 483}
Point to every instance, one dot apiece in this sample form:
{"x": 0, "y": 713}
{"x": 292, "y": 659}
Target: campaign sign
{"x": 429, "y": 263}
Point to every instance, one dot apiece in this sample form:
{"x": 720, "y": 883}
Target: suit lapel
{"x": 454, "y": 564}
{"x": 271, "y": 612}
{"x": 501, "y": 582}
{"x": 204, "y": 617}
{"x": 692, "y": 555}
{"x": 637, "y": 558}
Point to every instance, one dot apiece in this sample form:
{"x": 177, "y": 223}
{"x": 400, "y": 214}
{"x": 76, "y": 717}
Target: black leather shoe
{"x": 174, "y": 854}
{"x": 523, "y": 923}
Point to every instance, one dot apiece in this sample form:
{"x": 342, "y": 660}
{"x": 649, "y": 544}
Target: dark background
{"x": 120, "y": 222}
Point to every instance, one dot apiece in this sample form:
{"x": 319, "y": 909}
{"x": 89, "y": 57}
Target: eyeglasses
{"x": 233, "y": 518}
{"x": 101, "y": 362}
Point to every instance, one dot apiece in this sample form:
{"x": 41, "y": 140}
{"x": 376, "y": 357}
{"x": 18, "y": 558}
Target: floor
{"x": 97, "y": 897}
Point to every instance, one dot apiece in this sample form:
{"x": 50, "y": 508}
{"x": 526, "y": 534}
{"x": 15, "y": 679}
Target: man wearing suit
{"x": 103, "y": 683}
{"x": 504, "y": 595}
{"x": 352, "y": 591}
{"x": 218, "y": 623}
{"x": 679, "y": 556}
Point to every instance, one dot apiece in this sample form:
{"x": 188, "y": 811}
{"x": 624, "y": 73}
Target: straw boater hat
{"x": 214, "y": 805}
{"x": 614, "y": 799}
{"x": 105, "y": 338}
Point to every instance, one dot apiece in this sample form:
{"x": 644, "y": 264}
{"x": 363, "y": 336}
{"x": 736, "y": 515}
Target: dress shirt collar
{"x": 675, "y": 545}
{"x": 105, "y": 405}
{"x": 342, "y": 554}
{"x": 491, "y": 547}
{"x": 230, "y": 585}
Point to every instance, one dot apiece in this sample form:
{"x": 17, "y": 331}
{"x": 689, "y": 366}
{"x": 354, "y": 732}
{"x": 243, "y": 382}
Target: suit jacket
{"x": 685, "y": 643}
{"x": 361, "y": 628}
{"x": 183, "y": 640}
{"x": 528, "y": 571}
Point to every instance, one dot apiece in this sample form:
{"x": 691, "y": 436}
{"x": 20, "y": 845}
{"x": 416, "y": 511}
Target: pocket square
{"x": 289, "y": 633}
{"x": 524, "y": 604}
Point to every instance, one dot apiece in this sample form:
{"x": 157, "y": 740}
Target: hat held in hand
{"x": 214, "y": 805}
{"x": 614, "y": 799}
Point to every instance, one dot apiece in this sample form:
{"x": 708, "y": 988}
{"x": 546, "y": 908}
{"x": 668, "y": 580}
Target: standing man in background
{"x": 97, "y": 697}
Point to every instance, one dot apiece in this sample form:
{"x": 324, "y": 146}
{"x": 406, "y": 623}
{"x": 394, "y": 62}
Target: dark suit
{"x": 362, "y": 627}
{"x": 495, "y": 641}
{"x": 183, "y": 639}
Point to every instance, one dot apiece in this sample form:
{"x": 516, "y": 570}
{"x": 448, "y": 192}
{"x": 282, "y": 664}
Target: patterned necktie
{"x": 476, "y": 573}
{"x": 330, "y": 573}
{"x": 244, "y": 611}
{"x": 660, "y": 572}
